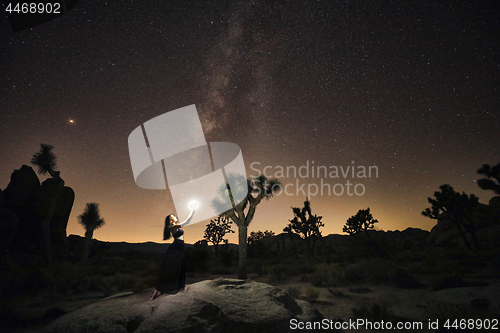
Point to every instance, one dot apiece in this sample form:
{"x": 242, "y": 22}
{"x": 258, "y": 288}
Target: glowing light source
{"x": 193, "y": 205}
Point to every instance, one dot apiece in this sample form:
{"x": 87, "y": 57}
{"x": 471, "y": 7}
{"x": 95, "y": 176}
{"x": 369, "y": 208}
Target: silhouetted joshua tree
{"x": 216, "y": 230}
{"x": 91, "y": 220}
{"x": 362, "y": 221}
{"x": 459, "y": 208}
{"x": 242, "y": 214}
{"x": 492, "y": 182}
{"x": 257, "y": 236}
{"x": 45, "y": 160}
{"x": 257, "y": 248}
{"x": 306, "y": 225}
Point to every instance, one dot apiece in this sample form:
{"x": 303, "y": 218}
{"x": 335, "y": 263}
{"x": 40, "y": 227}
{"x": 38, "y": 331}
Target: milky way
{"x": 409, "y": 87}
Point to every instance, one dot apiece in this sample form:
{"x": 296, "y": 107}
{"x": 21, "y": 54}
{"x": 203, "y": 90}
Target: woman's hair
{"x": 167, "y": 230}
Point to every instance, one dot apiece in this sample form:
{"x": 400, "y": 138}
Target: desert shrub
{"x": 381, "y": 271}
{"x": 149, "y": 268}
{"x": 329, "y": 255}
{"x": 359, "y": 290}
{"x": 495, "y": 262}
{"x": 373, "y": 312}
{"x": 480, "y": 303}
{"x": 332, "y": 275}
{"x": 473, "y": 262}
{"x": 301, "y": 268}
{"x": 410, "y": 256}
{"x": 456, "y": 253}
{"x": 227, "y": 257}
{"x": 104, "y": 284}
{"x": 259, "y": 249}
{"x": 278, "y": 272}
{"x": 132, "y": 255}
{"x": 70, "y": 278}
{"x": 123, "y": 281}
{"x": 448, "y": 281}
{"x": 290, "y": 267}
{"x": 354, "y": 273}
{"x": 321, "y": 278}
{"x": 277, "y": 261}
{"x": 256, "y": 266}
{"x": 223, "y": 270}
{"x": 42, "y": 284}
{"x": 283, "y": 270}
{"x": 430, "y": 265}
{"x": 24, "y": 277}
{"x": 76, "y": 279}
{"x": 374, "y": 270}
{"x": 140, "y": 265}
{"x": 197, "y": 259}
{"x": 304, "y": 278}
{"x": 294, "y": 292}
{"x": 109, "y": 266}
{"x": 435, "y": 255}
{"x": 141, "y": 283}
{"x": 403, "y": 280}
{"x": 443, "y": 311}
{"x": 336, "y": 292}
{"x": 311, "y": 294}
{"x": 76, "y": 284}
{"x": 420, "y": 268}
{"x": 364, "y": 247}
{"x": 53, "y": 313}
{"x": 8, "y": 314}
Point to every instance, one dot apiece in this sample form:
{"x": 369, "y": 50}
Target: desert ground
{"x": 419, "y": 284}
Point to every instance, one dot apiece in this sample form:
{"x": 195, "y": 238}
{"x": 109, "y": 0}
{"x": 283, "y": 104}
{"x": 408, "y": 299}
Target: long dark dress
{"x": 172, "y": 273}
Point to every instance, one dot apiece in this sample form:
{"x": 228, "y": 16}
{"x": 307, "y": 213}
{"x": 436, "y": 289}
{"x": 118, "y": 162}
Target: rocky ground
{"x": 369, "y": 302}
{"x": 220, "y": 305}
{"x": 348, "y": 279}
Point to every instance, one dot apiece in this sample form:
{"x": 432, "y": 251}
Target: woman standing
{"x": 172, "y": 273}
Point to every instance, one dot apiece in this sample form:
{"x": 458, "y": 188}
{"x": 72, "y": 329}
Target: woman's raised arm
{"x": 190, "y": 216}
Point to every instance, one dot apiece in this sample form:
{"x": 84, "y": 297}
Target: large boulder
{"x": 20, "y": 198}
{"x": 60, "y": 218}
{"x": 446, "y": 233}
{"x": 221, "y": 305}
{"x": 495, "y": 202}
{"x": 449, "y": 237}
{"x": 22, "y": 187}
{"x": 491, "y": 235}
{"x": 30, "y": 201}
{"x": 443, "y": 225}
{"x": 494, "y": 205}
{"x": 8, "y": 227}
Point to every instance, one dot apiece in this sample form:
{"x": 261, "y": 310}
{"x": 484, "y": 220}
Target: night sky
{"x": 411, "y": 87}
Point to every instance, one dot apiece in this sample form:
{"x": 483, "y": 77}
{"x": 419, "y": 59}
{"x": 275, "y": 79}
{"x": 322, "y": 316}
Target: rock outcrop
{"x": 8, "y": 227}
{"x": 20, "y": 199}
{"x": 2, "y": 199}
{"x": 22, "y": 187}
{"x": 487, "y": 222}
{"x": 495, "y": 202}
{"x": 28, "y": 200}
{"x": 59, "y": 221}
{"x": 221, "y": 305}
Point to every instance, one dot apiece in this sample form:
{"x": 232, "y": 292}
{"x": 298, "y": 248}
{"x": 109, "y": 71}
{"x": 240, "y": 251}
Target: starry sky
{"x": 411, "y": 87}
